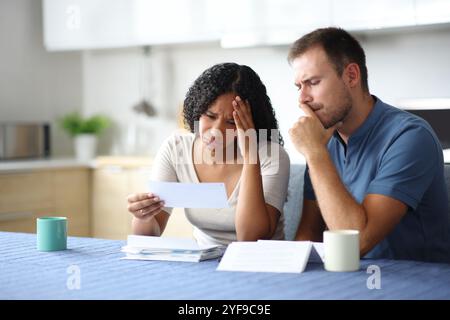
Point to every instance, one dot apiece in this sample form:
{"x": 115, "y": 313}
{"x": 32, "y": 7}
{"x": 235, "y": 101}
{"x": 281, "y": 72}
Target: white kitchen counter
{"x": 65, "y": 163}
{"x": 36, "y": 164}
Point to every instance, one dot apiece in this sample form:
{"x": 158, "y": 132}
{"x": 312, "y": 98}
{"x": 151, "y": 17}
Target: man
{"x": 370, "y": 166}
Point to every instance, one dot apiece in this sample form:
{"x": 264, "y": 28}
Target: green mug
{"x": 51, "y": 233}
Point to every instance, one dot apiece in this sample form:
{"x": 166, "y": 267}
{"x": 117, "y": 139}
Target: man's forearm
{"x": 339, "y": 209}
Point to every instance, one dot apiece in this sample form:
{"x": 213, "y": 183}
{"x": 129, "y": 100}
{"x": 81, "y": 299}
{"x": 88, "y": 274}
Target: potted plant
{"x": 85, "y": 132}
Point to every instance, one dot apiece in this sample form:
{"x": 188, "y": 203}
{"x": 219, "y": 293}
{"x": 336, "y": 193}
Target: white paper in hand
{"x": 190, "y": 195}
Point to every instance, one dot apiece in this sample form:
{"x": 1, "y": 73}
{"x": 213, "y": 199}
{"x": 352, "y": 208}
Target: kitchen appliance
{"x": 24, "y": 140}
{"x": 436, "y": 111}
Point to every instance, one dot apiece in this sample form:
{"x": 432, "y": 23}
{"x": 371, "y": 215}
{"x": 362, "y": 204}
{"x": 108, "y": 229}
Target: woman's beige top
{"x": 174, "y": 163}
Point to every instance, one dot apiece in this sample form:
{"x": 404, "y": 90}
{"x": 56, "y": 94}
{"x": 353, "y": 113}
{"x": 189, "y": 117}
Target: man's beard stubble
{"x": 341, "y": 112}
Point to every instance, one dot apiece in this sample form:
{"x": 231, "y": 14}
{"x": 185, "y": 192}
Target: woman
{"x": 226, "y": 110}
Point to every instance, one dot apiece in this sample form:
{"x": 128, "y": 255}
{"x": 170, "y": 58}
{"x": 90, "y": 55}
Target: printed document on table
{"x": 316, "y": 254}
{"x": 190, "y": 195}
{"x": 266, "y": 256}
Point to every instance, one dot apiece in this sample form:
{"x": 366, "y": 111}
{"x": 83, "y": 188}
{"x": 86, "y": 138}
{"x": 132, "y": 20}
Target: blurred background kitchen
{"x": 132, "y": 61}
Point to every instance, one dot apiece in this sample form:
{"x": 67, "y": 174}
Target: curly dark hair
{"x": 226, "y": 78}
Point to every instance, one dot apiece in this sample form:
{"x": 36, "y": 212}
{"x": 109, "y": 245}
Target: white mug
{"x": 341, "y": 250}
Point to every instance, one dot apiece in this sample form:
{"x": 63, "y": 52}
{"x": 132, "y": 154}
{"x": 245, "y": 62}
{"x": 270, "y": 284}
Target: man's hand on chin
{"x": 308, "y": 133}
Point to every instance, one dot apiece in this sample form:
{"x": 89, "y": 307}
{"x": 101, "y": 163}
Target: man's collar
{"x": 370, "y": 121}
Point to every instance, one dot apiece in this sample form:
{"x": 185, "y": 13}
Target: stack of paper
{"x": 169, "y": 249}
{"x": 270, "y": 256}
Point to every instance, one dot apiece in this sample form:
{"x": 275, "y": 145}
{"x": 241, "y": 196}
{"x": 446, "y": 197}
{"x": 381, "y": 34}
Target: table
{"x": 26, "y": 273}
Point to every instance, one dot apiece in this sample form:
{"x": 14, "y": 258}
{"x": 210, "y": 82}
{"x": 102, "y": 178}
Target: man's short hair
{"x": 340, "y": 47}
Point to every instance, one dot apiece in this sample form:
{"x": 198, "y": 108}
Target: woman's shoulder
{"x": 179, "y": 138}
{"x": 270, "y": 152}
{"x": 175, "y": 144}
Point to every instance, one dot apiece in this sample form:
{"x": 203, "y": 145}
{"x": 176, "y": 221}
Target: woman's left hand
{"x": 245, "y": 128}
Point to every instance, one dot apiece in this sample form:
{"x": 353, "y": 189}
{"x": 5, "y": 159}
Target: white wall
{"x": 111, "y": 84}
{"x": 35, "y": 85}
{"x": 39, "y": 86}
{"x": 116, "y": 80}
{"x": 408, "y": 64}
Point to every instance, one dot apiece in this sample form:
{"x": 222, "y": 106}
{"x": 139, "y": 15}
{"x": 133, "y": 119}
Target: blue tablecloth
{"x": 26, "y": 273}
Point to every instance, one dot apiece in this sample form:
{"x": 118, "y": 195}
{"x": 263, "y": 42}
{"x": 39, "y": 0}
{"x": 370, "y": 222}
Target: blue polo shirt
{"x": 397, "y": 154}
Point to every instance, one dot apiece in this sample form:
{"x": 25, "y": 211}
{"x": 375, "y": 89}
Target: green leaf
{"x": 74, "y": 124}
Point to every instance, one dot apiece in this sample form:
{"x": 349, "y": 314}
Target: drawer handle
{"x": 11, "y": 216}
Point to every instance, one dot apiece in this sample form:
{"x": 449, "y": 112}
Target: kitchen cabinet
{"x": 260, "y": 22}
{"x": 110, "y": 187}
{"x": 114, "y": 178}
{"x": 367, "y": 14}
{"x": 174, "y": 21}
{"x": 27, "y": 195}
{"x": 87, "y": 24}
{"x": 287, "y": 20}
{"x": 432, "y": 11}
{"x": 94, "y": 24}
{"x": 280, "y": 22}
{"x": 241, "y": 23}
{"x": 91, "y": 24}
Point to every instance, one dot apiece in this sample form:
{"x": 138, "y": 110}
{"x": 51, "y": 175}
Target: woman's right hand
{"x": 144, "y": 206}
